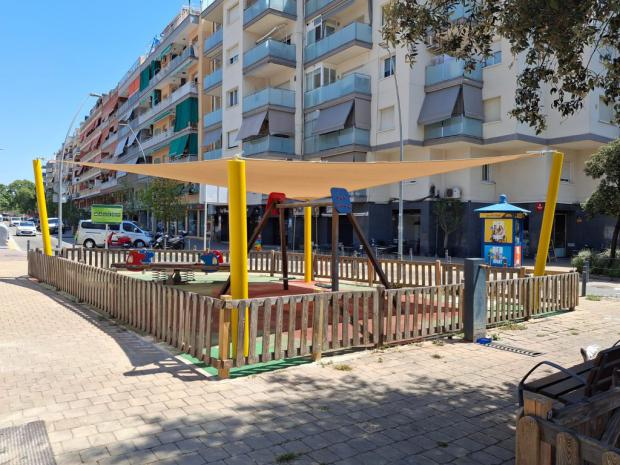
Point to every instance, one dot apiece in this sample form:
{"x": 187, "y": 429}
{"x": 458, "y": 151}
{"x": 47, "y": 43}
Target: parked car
{"x": 92, "y": 235}
{"x": 15, "y": 220}
{"x": 26, "y": 228}
{"x": 53, "y": 225}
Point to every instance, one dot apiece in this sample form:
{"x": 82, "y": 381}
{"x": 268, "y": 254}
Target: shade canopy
{"x": 306, "y": 179}
{"x": 472, "y": 102}
{"x": 251, "y": 125}
{"x": 333, "y": 118}
{"x": 438, "y": 105}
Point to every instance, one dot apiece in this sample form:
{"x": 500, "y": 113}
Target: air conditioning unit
{"x": 453, "y": 193}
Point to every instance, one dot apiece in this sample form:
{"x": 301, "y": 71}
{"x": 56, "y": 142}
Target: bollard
{"x": 585, "y": 276}
{"x": 28, "y": 246}
{"x": 475, "y": 305}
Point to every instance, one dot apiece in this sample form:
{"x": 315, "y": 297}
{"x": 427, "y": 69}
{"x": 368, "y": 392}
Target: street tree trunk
{"x": 614, "y": 239}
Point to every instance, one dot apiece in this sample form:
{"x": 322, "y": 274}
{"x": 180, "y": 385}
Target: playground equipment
{"x": 502, "y": 233}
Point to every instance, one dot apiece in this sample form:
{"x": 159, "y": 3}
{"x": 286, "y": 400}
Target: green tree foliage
{"x": 19, "y": 196}
{"x": 5, "y": 198}
{"x": 162, "y": 198}
{"x": 570, "y": 47}
{"x": 449, "y": 215}
{"x": 604, "y": 166}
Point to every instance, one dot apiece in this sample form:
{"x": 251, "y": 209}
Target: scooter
{"x": 161, "y": 241}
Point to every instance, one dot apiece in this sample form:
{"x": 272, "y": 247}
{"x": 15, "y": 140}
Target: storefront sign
{"x": 106, "y": 214}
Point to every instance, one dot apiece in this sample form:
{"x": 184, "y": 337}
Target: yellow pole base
{"x": 308, "y": 244}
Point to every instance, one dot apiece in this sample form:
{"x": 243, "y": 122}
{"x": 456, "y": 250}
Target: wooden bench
{"x": 571, "y": 385}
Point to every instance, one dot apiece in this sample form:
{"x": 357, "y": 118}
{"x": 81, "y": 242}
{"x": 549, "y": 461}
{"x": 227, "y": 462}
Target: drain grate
{"x": 515, "y": 350}
{"x": 26, "y": 444}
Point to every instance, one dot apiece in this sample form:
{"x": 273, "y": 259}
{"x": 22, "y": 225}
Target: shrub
{"x": 579, "y": 260}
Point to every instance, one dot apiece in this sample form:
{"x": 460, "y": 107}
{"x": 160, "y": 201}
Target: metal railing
{"x": 354, "y": 83}
{"x": 269, "y": 96}
{"x": 360, "y": 32}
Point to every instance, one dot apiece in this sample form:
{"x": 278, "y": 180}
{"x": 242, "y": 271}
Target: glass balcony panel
{"x": 347, "y": 136}
{"x": 315, "y": 5}
{"x": 285, "y": 6}
{"x": 353, "y": 83}
{"x": 270, "y": 47}
{"x": 213, "y": 79}
{"x": 269, "y": 96}
{"x": 213, "y": 118}
{"x": 451, "y": 69}
{"x": 212, "y": 154}
{"x": 214, "y": 40}
{"x": 455, "y": 126}
{"x": 354, "y": 31}
{"x": 272, "y": 144}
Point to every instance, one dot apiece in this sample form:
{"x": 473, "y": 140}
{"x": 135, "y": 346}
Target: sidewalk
{"x": 108, "y": 396}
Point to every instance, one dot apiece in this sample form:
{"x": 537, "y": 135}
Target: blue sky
{"x": 54, "y": 53}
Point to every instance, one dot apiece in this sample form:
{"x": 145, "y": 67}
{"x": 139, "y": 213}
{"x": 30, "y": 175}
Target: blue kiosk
{"x": 502, "y": 233}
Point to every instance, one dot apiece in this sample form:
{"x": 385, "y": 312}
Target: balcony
{"x": 268, "y": 58}
{"x": 213, "y": 43}
{"x": 269, "y": 144}
{"x": 213, "y": 118}
{"x": 213, "y": 81}
{"x": 345, "y": 43}
{"x": 352, "y": 84}
{"x": 177, "y": 95}
{"x": 345, "y": 137}
{"x": 215, "y": 154}
{"x": 455, "y": 126}
{"x": 155, "y": 139}
{"x": 269, "y": 97}
{"x": 449, "y": 70}
{"x": 263, "y": 15}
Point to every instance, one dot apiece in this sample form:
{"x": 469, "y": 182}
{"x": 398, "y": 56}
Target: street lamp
{"x": 386, "y": 46}
{"x": 60, "y": 170}
{"x": 123, "y": 123}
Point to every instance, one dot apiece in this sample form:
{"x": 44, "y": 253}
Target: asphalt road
{"x": 37, "y": 241}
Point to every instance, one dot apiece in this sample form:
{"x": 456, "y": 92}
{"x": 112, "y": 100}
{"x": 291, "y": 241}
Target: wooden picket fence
{"x": 523, "y": 298}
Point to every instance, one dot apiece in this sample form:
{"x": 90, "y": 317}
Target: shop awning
{"x": 333, "y": 118}
{"x": 306, "y": 179}
{"x": 120, "y": 147}
{"x": 211, "y": 137}
{"x": 281, "y": 123}
{"x": 472, "y": 102}
{"x": 438, "y": 105}
{"x": 177, "y": 146}
{"x": 251, "y": 125}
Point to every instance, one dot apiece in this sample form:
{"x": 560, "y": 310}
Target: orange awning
{"x": 306, "y": 179}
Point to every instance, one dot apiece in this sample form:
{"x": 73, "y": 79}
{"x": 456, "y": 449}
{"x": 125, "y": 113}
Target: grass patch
{"x": 288, "y": 457}
{"x": 593, "y": 297}
{"x": 343, "y": 367}
{"x": 513, "y": 327}
{"x": 437, "y": 356}
{"x": 495, "y": 337}
{"x": 575, "y": 333}
{"x": 438, "y": 342}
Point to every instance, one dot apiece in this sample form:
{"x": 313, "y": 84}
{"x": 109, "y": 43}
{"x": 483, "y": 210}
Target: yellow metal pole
{"x": 238, "y": 236}
{"x": 45, "y": 230}
{"x": 307, "y": 244}
{"x": 547, "y": 223}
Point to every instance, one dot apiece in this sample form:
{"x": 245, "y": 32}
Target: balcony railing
{"x": 269, "y": 48}
{"x": 213, "y": 79}
{"x": 180, "y": 93}
{"x": 315, "y": 5}
{"x": 272, "y": 144}
{"x": 352, "y": 84}
{"x": 288, "y": 7}
{"x": 207, "y": 3}
{"x": 156, "y": 139}
{"x": 360, "y": 32}
{"x": 212, "y": 118}
{"x": 214, "y": 40}
{"x": 451, "y": 69}
{"x": 344, "y": 137}
{"x": 269, "y": 96}
{"x": 456, "y": 126}
{"x": 212, "y": 154}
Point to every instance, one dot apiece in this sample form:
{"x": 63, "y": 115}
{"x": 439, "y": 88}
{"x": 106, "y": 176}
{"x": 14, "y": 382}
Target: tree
{"x": 22, "y": 196}
{"x": 449, "y": 217}
{"x": 5, "y": 198}
{"x": 162, "y": 198}
{"x": 604, "y": 165}
{"x": 569, "y": 46}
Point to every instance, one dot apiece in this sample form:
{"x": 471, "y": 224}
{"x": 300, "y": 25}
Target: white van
{"x": 92, "y": 235}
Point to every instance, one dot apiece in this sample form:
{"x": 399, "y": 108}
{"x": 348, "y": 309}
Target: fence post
{"x": 272, "y": 264}
{"x": 527, "y": 450}
{"x": 224, "y": 362}
{"x": 371, "y": 273}
{"x": 535, "y": 405}
{"x": 380, "y": 339}
{"x": 584, "y": 278}
{"x": 317, "y": 328}
{"x": 475, "y": 305}
{"x": 438, "y": 273}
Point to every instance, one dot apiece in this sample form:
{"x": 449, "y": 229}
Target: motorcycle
{"x": 164, "y": 241}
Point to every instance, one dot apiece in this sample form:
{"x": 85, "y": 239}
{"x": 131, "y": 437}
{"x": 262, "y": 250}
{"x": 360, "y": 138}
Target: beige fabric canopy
{"x": 305, "y": 180}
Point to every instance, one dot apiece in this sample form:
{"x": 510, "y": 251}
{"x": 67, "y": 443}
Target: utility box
{"x": 502, "y": 233}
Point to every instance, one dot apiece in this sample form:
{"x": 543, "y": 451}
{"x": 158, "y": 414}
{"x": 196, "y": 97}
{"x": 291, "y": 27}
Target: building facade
{"x": 312, "y": 80}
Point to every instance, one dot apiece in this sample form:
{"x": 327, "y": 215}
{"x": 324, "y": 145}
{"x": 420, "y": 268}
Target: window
{"x": 389, "y": 66}
{"x": 492, "y": 109}
{"x": 231, "y": 139}
{"x": 233, "y": 55}
{"x": 566, "y": 171}
{"x": 386, "y": 119}
{"x": 232, "y": 97}
{"x": 318, "y": 30}
{"x": 605, "y": 114}
{"x": 494, "y": 59}
{"x": 233, "y": 13}
{"x": 321, "y": 76}
{"x": 486, "y": 173}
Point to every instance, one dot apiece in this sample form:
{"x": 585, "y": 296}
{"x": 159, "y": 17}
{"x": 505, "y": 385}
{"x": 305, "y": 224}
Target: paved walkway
{"x": 107, "y": 396}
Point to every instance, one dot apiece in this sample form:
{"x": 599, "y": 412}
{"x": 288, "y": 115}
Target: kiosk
{"x": 502, "y": 233}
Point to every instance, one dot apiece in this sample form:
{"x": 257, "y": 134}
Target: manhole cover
{"x": 26, "y": 444}
{"x": 516, "y": 350}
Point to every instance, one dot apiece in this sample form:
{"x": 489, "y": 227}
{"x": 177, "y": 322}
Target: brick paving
{"x": 109, "y": 396}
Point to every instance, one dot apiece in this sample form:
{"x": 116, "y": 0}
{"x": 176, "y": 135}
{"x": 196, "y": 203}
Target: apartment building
{"x": 312, "y": 80}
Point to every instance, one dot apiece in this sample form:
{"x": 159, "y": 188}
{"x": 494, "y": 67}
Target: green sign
{"x": 106, "y": 214}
